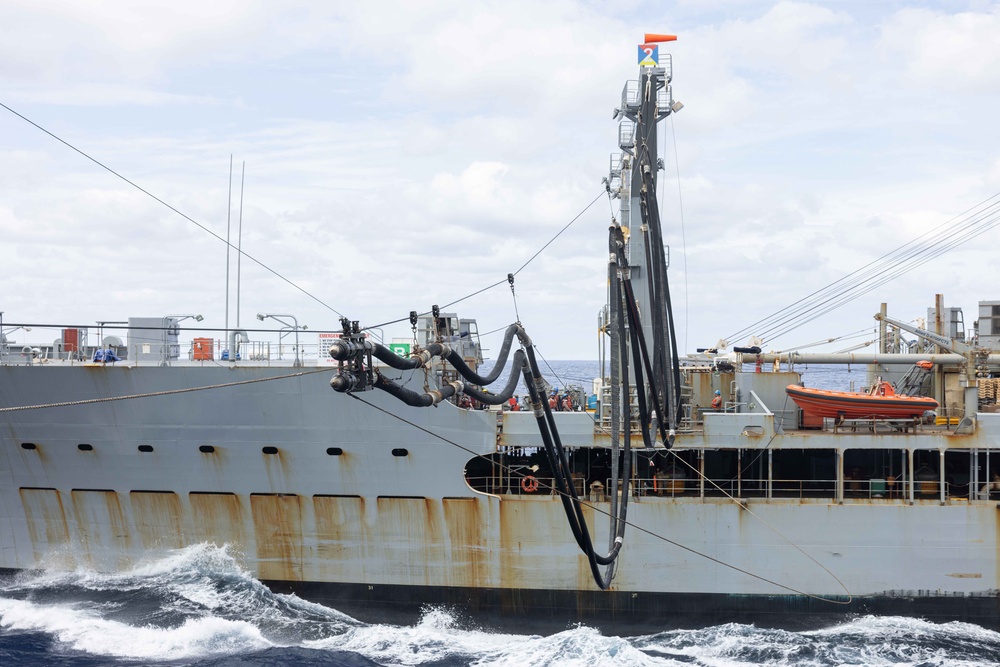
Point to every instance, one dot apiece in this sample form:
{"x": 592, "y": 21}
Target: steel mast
{"x": 644, "y": 103}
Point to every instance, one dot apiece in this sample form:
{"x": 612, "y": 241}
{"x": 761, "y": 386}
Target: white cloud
{"x": 103, "y": 94}
{"x": 943, "y": 52}
{"x": 406, "y": 154}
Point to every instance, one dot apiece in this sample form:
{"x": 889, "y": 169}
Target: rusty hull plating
{"x": 367, "y": 530}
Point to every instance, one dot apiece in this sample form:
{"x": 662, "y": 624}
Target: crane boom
{"x": 948, "y": 343}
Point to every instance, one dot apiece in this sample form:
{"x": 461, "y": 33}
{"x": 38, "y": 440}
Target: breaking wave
{"x": 197, "y": 606}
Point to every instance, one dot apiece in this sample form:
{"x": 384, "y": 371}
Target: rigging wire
{"x": 864, "y": 271}
{"x": 166, "y": 392}
{"x": 175, "y": 210}
{"x": 959, "y": 229}
{"x": 856, "y": 346}
{"x": 559, "y": 233}
{"x": 680, "y": 209}
{"x": 898, "y": 270}
{"x": 500, "y": 282}
{"x": 493, "y": 331}
{"x": 847, "y": 336}
{"x": 902, "y": 270}
{"x": 259, "y": 262}
{"x": 513, "y": 296}
{"x": 562, "y": 382}
{"x": 647, "y": 531}
{"x": 745, "y": 507}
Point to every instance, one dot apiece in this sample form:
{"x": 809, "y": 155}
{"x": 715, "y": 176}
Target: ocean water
{"x": 199, "y": 606}
{"x": 562, "y": 373}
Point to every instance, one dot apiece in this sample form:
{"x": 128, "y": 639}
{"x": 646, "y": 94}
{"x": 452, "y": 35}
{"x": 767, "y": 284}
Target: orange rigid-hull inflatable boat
{"x": 880, "y": 403}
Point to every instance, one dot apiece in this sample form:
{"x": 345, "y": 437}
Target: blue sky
{"x": 404, "y": 154}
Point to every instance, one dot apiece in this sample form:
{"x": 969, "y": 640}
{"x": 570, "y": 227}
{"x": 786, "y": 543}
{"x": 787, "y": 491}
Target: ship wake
{"x": 199, "y": 606}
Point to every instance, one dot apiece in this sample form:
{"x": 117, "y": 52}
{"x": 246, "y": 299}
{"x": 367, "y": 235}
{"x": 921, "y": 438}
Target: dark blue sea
{"x": 198, "y": 606}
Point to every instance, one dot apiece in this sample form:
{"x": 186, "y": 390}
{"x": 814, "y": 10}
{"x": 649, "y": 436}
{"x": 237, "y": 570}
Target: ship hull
{"x": 350, "y": 504}
{"x": 545, "y": 611}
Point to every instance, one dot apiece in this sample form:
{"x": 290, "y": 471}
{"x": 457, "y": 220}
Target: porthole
{"x": 27, "y": 445}
{"x": 145, "y": 448}
{"x": 83, "y": 447}
{"x": 399, "y": 451}
{"x": 334, "y": 451}
{"x": 270, "y": 450}
{"x": 206, "y": 449}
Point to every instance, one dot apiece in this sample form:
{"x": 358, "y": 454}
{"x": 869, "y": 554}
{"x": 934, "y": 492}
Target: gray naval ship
{"x": 370, "y": 478}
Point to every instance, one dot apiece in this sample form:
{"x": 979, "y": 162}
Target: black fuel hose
{"x": 455, "y": 359}
{"x": 559, "y": 462}
{"x": 504, "y": 395}
{"x": 342, "y": 350}
{"x": 555, "y": 452}
{"x": 542, "y": 414}
{"x": 639, "y": 344}
{"x": 413, "y": 398}
{"x": 384, "y": 354}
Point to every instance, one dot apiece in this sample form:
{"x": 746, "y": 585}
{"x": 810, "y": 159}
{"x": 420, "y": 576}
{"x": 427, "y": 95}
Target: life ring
{"x": 529, "y": 484}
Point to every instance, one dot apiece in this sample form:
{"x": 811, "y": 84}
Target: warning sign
{"x": 325, "y": 340}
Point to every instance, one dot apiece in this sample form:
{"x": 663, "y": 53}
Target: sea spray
{"x": 198, "y": 606}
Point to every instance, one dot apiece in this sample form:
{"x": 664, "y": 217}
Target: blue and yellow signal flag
{"x": 649, "y": 55}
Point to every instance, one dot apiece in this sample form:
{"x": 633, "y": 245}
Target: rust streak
{"x": 412, "y": 538}
{"x": 103, "y": 533}
{"x": 279, "y": 471}
{"x": 341, "y": 537}
{"x": 466, "y": 540}
{"x": 218, "y": 518}
{"x": 157, "y": 519}
{"x": 46, "y": 521}
{"x": 277, "y": 522}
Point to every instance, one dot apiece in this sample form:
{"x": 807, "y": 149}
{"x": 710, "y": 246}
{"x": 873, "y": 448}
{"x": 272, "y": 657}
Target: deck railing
{"x": 780, "y": 489}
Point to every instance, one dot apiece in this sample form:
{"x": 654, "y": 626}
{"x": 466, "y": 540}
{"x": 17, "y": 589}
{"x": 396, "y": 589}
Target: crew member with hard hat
{"x": 717, "y": 401}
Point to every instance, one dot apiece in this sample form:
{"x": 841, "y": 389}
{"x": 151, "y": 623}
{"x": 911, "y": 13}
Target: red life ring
{"x": 529, "y": 484}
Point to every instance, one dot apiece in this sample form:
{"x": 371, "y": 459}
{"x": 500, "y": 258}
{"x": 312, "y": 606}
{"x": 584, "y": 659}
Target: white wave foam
{"x": 206, "y": 574}
{"x": 83, "y": 631}
{"x": 434, "y": 638}
{"x": 904, "y": 627}
{"x": 437, "y": 638}
{"x": 202, "y": 583}
{"x": 201, "y": 558}
{"x": 228, "y": 611}
{"x": 873, "y": 641}
{"x": 579, "y": 647}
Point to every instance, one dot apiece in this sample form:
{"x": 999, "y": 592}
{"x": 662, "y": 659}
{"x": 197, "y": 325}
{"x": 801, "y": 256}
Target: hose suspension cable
{"x": 513, "y": 296}
{"x": 501, "y": 282}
